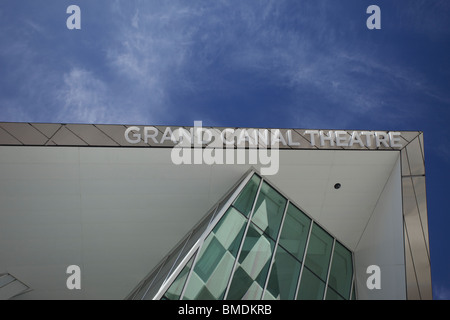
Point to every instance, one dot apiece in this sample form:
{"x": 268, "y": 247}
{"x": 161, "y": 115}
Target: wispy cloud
{"x": 26, "y": 79}
{"x": 161, "y": 59}
{"x": 150, "y": 48}
{"x": 441, "y": 293}
{"x": 83, "y": 98}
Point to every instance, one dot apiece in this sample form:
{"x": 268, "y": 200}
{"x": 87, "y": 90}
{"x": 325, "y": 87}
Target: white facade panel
{"x": 382, "y": 244}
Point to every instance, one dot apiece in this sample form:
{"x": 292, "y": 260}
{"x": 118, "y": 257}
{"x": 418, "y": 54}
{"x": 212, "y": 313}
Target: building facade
{"x": 145, "y": 216}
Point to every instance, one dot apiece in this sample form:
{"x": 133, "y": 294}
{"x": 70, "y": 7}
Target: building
{"x": 326, "y": 214}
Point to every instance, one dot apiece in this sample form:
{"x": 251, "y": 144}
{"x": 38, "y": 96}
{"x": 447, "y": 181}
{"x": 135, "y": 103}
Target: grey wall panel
{"x": 416, "y": 221}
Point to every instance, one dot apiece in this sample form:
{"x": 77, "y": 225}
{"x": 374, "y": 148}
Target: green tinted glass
{"x": 319, "y": 252}
{"x": 251, "y": 273}
{"x": 217, "y": 272}
{"x": 311, "y": 287}
{"x": 269, "y": 210}
{"x": 332, "y": 295}
{"x": 341, "y": 272}
{"x": 283, "y": 276}
{"x": 295, "y": 231}
{"x": 244, "y": 201}
{"x": 210, "y": 276}
{"x": 175, "y": 289}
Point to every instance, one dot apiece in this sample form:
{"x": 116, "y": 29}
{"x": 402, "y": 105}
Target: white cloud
{"x": 148, "y": 54}
{"x": 160, "y": 49}
{"x": 135, "y": 20}
{"x": 441, "y": 293}
{"x": 83, "y": 98}
{"x": 174, "y": 46}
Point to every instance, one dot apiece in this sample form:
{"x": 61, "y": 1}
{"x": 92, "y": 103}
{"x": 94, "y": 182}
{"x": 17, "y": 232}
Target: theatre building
{"x": 163, "y": 212}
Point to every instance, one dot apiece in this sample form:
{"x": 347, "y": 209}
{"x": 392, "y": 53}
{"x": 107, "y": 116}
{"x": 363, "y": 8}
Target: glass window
{"x": 251, "y": 272}
{"x": 228, "y": 196}
{"x": 332, "y": 295}
{"x": 341, "y": 272}
{"x": 175, "y": 289}
{"x": 210, "y": 276}
{"x": 311, "y": 287}
{"x": 283, "y": 277}
{"x": 208, "y": 262}
{"x": 154, "y": 283}
{"x": 319, "y": 252}
{"x": 244, "y": 201}
{"x": 295, "y": 231}
{"x": 269, "y": 210}
{"x": 216, "y": 270}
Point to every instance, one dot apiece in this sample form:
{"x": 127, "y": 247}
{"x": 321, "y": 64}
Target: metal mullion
{"x": 243, "y": 239}
{"x": 189, "y": 274}
{"x": 197, "y": 255}
{"x": 174, "y": 274}
{"x": 199, "y": 243}
{"x": 186, "y": 242}
{"x": 195, "y": 248}
{"x": 329, "y": 269}
{"x": 229, "y": 203}
{"x": 353, "y": 277}
{"x": 153, "y": 280}
{"x": 275, "y": 249}
{"x": 303, "y": 260}
{"x": 178, "y": 257}
{"x": 351, "y": 288}
{"x": 216, "y": 220}
{"x": 305, "y": 212}
{"x": 289, "y": 253}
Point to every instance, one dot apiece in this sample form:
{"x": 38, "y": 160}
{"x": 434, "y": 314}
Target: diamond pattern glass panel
{"x": 175, "y": 290}
{"x": 209, "y": 278}
{"x": 250, "y": 275}
{"x": 269, "y": 210}
{"x": 256, "y": 251}
{"x": 244, "y": 201}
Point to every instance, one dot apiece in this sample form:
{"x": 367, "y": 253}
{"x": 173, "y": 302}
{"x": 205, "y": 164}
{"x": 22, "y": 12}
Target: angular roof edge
{"x": 116, "y": 135}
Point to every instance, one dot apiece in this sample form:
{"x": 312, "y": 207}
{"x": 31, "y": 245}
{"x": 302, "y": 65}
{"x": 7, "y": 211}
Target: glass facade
{"x": 212, "y": 270}
{"x": 283, "y": 276}
{"x": 262, "y": 247}
{"x": 251, "y": 271}
{"x": 176, "y": 288}
{"x": 318, "y": 253}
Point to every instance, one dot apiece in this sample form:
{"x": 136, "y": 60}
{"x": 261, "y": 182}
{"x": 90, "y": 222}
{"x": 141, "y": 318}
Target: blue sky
{"x": 249, "y": 63}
